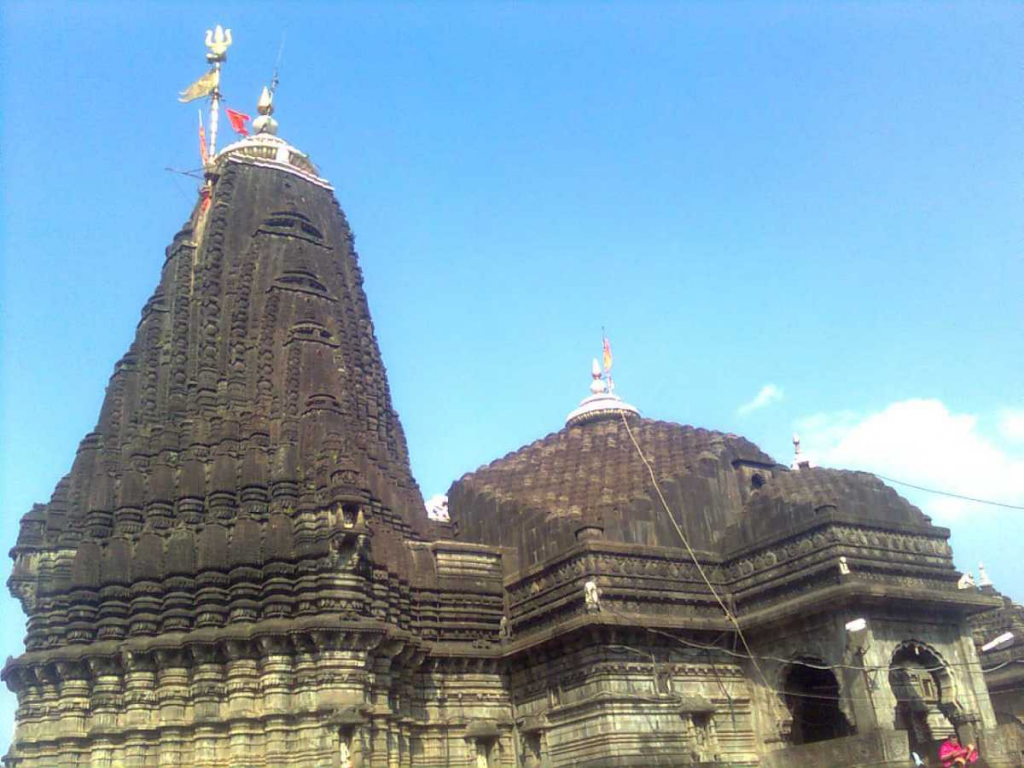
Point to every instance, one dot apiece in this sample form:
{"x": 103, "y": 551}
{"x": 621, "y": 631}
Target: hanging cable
{"x": 947, "y": 493}
{"x": 693, "y": 555}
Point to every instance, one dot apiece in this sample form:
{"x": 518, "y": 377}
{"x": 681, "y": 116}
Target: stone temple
{"x": 239, "y": 569}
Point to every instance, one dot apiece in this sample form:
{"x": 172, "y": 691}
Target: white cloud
{"x": 921, "y": 442}
{"x": 437, "y": 507}
{"x": 769, "y": 394}
{"x": 1011, "y": 424}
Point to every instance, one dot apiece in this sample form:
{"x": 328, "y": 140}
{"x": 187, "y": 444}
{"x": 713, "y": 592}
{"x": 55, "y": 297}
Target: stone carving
{"x": 592, "y": 596}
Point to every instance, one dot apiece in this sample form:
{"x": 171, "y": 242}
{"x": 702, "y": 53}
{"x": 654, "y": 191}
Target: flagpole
{"x": 214, "y": 111}
{"x": 218, "y": 41}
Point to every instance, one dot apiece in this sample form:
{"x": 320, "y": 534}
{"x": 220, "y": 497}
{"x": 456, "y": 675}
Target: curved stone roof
{"x": 594, "y": 465}
{"x": 723, "y": 490}
{"x": 591, "y": 475}
{"x": 855, "y": 492}
{"x": 789, "y": 498}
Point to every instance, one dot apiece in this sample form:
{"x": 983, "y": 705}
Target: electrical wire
{"x": 693, "y": 556}
{"x": 750, "y": 654}
{"x": 947, "y": 493}
{"x": 811, "y": 664}
{"x": 792, "y": 662}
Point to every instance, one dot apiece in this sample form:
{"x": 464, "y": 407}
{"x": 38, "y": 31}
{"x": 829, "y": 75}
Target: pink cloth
{"x": 949, "y": 752}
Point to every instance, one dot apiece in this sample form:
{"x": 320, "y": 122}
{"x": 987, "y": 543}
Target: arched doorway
{"x": 811, "y": 692}
{"x": 924, "y": 694}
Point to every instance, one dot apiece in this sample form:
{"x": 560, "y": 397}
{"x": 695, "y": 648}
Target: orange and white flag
{"x": 202, "y": 141}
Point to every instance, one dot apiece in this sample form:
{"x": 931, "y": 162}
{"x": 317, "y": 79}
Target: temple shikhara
{"x": 239, "y": 568}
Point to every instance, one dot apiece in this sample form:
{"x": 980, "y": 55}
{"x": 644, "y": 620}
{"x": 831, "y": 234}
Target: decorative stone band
{"x": 599, "y": 406}
{"x": 268, "y": 151}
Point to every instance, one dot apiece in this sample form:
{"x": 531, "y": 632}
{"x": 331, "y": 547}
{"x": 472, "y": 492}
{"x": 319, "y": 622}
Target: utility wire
{"x": 732, "y": 618}
{"x": 948, "y": 493}
{"x": 793, "y": 662}
{"x": 689, "y": 550}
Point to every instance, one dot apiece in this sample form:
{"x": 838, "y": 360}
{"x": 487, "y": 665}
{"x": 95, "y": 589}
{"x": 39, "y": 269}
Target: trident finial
{"x": 218, "y": 40}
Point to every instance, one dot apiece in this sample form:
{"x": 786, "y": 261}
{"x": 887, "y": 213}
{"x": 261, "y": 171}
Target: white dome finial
{"x": 265, "y": 123}
{"x": 596, "y": 386}
{"x": 983, "y": 579}
{"x": 601, "y": 401}
{"x": 799, "y": 460}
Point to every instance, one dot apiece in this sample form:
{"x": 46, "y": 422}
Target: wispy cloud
{"x": 769, "y": 394}
{"x": 921, "y": 441}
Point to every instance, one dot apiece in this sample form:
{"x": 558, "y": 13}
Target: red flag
{"x": 607, "y": 354}
{"x": 238, "y": 121}
{"x": 202, "y": 144}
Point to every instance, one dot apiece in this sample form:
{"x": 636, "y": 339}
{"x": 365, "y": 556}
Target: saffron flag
{"x": 607, "y": 354}
{"x": 202, "y": 141}
{"x": 204, "y": 86}
{"x": 238, "y": 121}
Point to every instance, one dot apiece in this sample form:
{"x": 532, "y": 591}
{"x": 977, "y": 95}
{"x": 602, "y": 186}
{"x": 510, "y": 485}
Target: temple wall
{"x": 632, "y": 703}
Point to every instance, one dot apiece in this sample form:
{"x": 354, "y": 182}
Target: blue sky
{"x": 816, "y": 201}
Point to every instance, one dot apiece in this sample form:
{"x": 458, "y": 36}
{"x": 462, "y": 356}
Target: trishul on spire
{"x": 218, "y": 40}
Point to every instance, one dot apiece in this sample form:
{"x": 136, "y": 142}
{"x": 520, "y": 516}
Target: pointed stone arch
{"x": 926, "y": 694}
{"x": 810, "y": 691}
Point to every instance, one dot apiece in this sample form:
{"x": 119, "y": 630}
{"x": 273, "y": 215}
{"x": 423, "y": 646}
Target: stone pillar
{"x": 207, "y": 682}
{"x": 241, "y": 679}
{"x": 206, "y": 751}
{"x": 171, "y": 750}
{"x": 379, "y": 743}
{"x": 172, "y": 690}
{"x": 101, "y": 753}
{"x": 276, "y": 728}
{"x": 243, "y": 747}
{"x": 74, "y": 698}
{"x": 106, "y": 700}
{"x": 276, "y": 674}
{"x": 140, "y": 698}
{"x": 137, "y": 748}
{"x": 305, "y": 673}
{"x": 859, "y": 684}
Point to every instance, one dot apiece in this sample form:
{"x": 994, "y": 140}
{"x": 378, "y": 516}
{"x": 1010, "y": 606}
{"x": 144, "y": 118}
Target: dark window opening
{"x": 812, "y": 697}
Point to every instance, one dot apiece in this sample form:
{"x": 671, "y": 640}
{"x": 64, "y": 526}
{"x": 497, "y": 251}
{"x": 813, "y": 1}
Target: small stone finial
{"x": 265, "y": 106}
{"x": 601, "y": 401}
{"x": 596, "y": 386}
{"x": 800, "y": 461}
{"x": 983, "y": 579}
{"x": 265, "y": 123}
